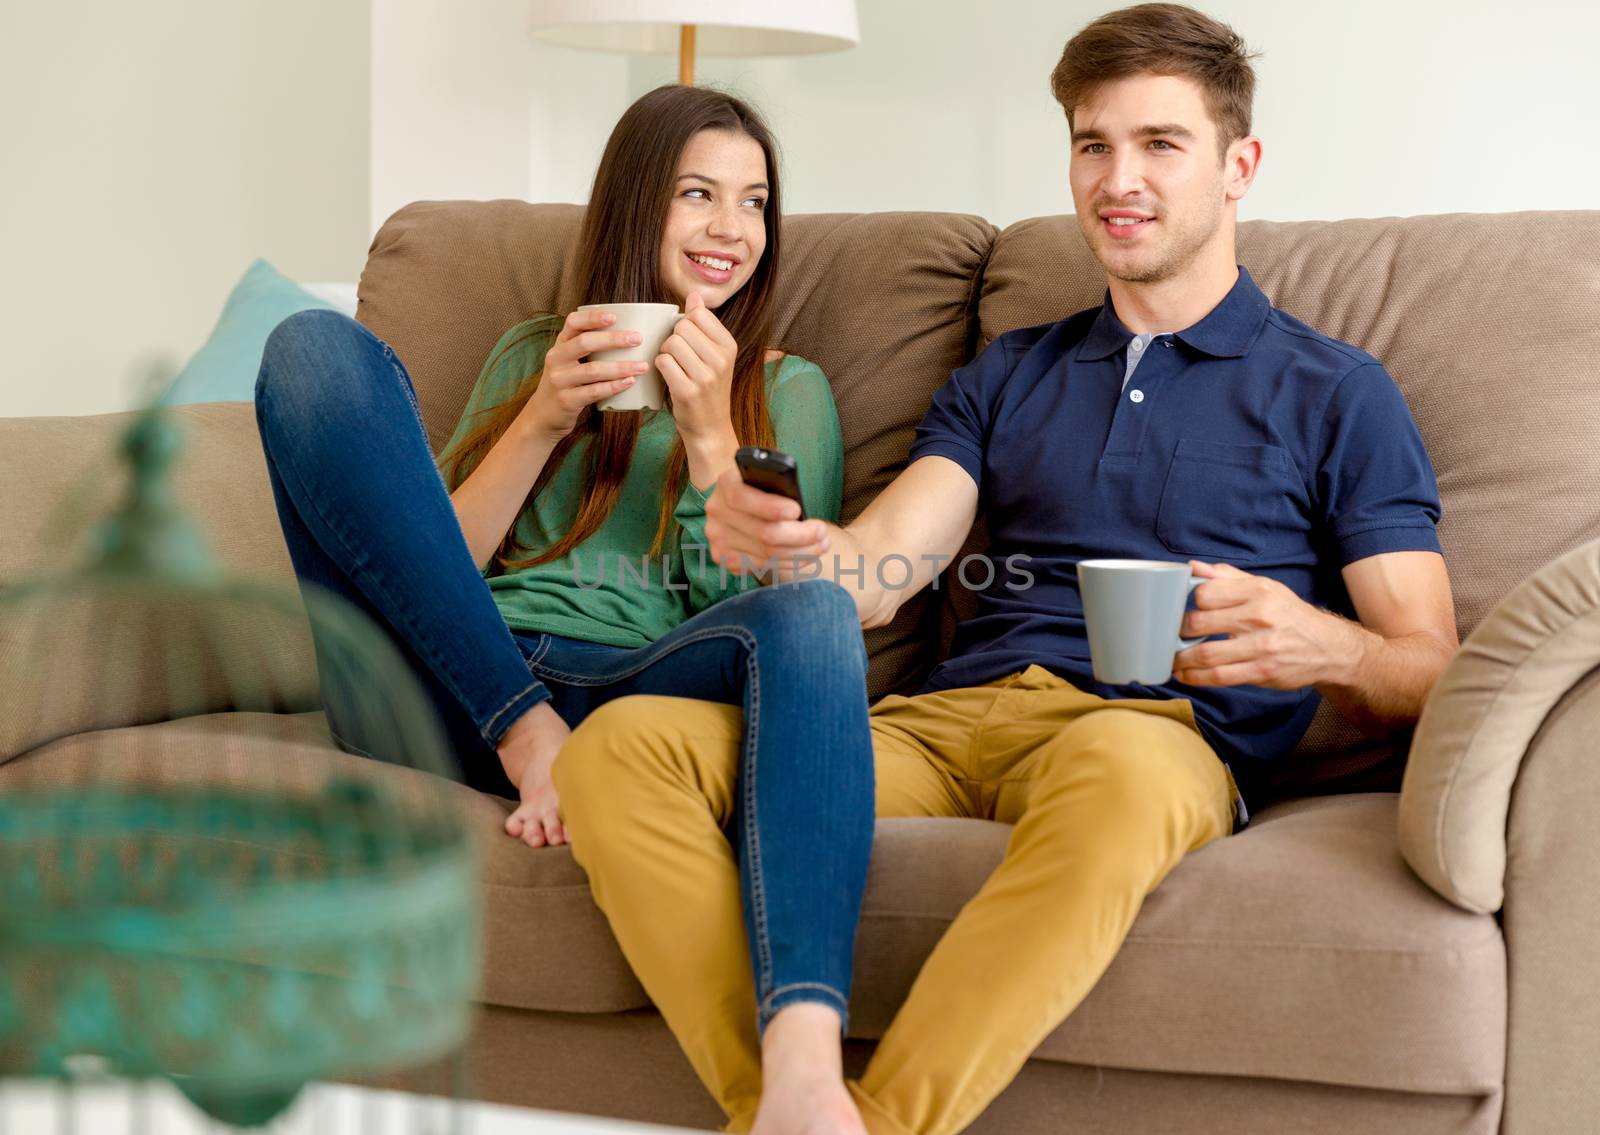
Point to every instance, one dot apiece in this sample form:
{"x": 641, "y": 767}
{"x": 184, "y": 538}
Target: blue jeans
{"x": 367, "y": 517}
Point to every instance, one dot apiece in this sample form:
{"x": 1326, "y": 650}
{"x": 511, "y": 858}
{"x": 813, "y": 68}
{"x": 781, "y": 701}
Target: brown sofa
{"x": 1301, "y": 976}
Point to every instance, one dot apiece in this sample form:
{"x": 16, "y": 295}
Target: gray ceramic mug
{"x": 1134, "y": 609}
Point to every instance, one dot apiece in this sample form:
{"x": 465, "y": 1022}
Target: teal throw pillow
{"x": 224, "y": 370}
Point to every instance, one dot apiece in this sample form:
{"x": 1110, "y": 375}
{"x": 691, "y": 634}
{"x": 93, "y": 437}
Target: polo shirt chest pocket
{"x": 1229, "y": 502}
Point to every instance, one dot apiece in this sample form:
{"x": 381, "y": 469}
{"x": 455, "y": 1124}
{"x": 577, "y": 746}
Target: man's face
{"x": 1144, "y": 149}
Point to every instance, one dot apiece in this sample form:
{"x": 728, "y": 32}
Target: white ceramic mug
{"x": 654, "y": 323}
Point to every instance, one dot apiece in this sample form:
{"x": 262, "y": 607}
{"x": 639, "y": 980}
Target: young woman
{"x": 502, "y": 580}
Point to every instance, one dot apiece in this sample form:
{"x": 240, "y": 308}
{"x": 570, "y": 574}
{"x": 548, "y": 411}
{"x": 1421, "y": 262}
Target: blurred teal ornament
{"x": 248, "y": 921}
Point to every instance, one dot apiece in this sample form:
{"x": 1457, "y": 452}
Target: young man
{"x": 1184, "y": 418}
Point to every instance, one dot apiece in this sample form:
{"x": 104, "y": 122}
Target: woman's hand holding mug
{"x": 569, "y": 383}
{"x": 697, "y": 363}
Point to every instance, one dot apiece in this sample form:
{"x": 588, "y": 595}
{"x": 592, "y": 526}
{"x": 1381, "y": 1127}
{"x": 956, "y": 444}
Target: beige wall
{"x": 465, "y": 105}
{"x": 148, "y": 153}
{"x": 1366, "y": 107}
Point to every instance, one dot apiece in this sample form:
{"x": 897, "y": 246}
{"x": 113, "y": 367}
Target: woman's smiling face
{"x": 716, "y": 229}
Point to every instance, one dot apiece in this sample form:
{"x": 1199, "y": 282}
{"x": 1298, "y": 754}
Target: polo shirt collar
{"x": 1226, "y": 332}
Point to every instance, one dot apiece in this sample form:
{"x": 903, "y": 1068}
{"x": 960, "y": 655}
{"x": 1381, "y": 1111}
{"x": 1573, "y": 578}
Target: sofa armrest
{"x": 1479, "y": 726}
{"x": 1552, "y": 923}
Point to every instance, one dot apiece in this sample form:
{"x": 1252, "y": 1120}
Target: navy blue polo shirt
{"x": 1247, "y": 439}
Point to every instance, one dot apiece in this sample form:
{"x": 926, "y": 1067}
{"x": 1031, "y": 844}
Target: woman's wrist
{"x": 530, "y": 432}
{"x": 709, "y": 458}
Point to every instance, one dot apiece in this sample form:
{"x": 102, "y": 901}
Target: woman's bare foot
{"x": 803, "y": 1090}
{"x": 528, "y": 751}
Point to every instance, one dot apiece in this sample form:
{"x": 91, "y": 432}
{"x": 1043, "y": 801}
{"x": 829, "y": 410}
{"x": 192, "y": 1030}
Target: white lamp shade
{"x": 723, "y": 27}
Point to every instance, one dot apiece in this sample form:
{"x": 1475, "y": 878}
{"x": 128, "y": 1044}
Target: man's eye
{"x": 1094, "y": 147}
{"x": 1163, "y": 145}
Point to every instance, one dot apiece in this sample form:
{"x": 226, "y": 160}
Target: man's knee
{"x": 633, "y": 740}
{"x": 1142, "y": 768}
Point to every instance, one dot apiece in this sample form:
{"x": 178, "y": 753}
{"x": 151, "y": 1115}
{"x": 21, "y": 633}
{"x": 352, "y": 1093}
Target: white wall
{"x": 148, "y": 153}
{"x": 465, "y": 105}
{"x": 1366, "y": 107}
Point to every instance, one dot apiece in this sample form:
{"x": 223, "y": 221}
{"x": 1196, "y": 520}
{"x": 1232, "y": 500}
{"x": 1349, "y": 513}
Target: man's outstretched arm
{"x": 1376, "y": 672}
{"x": 924, "y": 516}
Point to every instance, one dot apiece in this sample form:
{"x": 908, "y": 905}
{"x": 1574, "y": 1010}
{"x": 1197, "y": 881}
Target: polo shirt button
{"x": 1136, "y": 396}
{"x": 1137, "y": 345}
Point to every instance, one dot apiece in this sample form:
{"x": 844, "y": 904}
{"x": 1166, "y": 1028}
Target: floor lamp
{"x": 709, "y": 27}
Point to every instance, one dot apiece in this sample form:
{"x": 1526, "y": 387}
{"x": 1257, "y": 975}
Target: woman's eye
{"x": 758, "y": 202}
{"x": 691, "y": 192}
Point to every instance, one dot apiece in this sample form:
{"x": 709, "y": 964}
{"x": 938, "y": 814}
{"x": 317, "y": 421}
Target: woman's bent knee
{"x": 304, "y": 352}
{"x": 815, "y": 621}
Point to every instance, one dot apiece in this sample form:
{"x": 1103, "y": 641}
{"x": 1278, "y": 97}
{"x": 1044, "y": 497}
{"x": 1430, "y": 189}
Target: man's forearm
{"x": 850, "y": 562}
{"x": 1380, "y": 684}
{"x": 878, "y": 578}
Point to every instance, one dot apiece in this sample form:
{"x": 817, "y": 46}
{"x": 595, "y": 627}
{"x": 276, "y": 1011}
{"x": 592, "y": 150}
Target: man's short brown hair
{"x": 1162, "y": 39}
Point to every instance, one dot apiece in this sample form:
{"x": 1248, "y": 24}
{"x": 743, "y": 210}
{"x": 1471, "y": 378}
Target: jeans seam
{"x": 411, "y": 395}
{"x": 537, "y": 655}
{"x": 758, "y": 893}
{"x": 835, "y": 999}
{"x": 488, "y": 727}
{"x": 733, "y": 630}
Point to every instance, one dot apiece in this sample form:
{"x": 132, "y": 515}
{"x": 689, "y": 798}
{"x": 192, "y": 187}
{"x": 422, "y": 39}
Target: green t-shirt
{"x": 607, "y": 590}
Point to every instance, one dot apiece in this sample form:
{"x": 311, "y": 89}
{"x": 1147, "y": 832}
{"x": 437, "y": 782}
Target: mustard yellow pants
{"x": 1105, "y": 798}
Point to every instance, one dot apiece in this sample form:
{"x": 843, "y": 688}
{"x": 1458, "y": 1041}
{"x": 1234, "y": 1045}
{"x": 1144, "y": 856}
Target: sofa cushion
{"x": 1486, "y": 321}
{"x": 224, "y": 369}
{"x": 1301, "y": 949}
{"x": 1499, "y": 690}
{"x": 885, "y": 303}
{"x": 98, "y": 663}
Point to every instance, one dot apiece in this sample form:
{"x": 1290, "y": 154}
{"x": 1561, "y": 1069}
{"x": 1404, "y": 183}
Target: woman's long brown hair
{"x": 618, "y": 248}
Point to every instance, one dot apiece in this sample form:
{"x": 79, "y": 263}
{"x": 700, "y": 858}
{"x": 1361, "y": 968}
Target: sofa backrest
{"x": 1490, "y": 324}
{"x": 885, "y": 303}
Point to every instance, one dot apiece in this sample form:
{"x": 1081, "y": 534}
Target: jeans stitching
{"x": 537, "y": 655}
{"x": 411, "y": 395}
{"x": 733, "y": 630}
{"x": 758, "y": 893}
{"x": 488, "y": 727}
{"x": 836, "y": 998}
